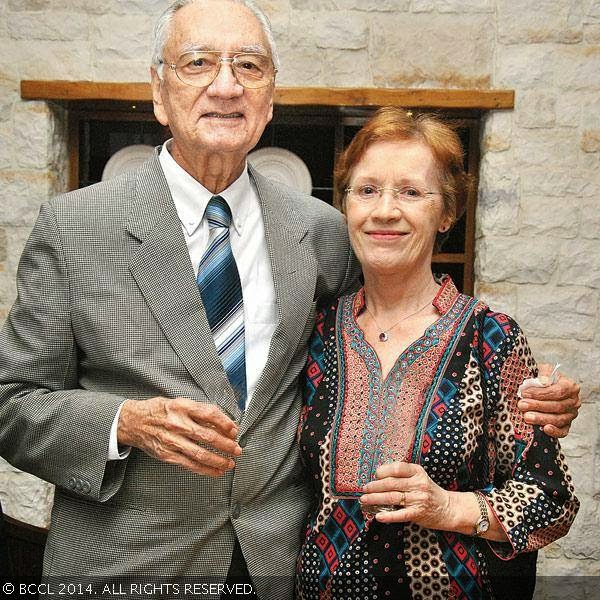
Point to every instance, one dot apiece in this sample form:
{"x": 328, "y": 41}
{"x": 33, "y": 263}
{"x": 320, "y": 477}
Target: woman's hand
{"x": 418, "y": 497}
{"x": 422, "y": 501}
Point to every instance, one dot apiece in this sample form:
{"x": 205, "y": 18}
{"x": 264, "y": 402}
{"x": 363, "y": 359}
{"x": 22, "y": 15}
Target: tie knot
{"x": 218, "y": 213}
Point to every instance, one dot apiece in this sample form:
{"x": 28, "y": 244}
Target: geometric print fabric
{"x": 338, "y": 534}
{"x": 470, "y": 439}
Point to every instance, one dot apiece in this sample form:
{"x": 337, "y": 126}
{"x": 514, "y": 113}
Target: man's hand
{"x": 181, "y": 432}
{"x": 554, "y": 406}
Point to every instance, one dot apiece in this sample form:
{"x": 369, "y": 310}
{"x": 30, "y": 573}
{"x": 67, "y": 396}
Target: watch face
{"x": 483, "y": 525}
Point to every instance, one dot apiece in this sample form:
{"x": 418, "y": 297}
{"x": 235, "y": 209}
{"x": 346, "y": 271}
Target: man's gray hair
{"x": 163, "y": 29}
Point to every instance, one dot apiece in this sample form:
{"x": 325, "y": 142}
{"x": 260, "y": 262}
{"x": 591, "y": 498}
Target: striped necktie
{"x": 219, "y": 283}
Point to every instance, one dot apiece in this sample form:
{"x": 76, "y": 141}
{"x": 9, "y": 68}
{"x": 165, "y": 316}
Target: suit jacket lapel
{"x": 294, "y": 275}
{"x": 160, "y": 265}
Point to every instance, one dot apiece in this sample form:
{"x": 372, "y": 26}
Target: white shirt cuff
{"x": 113, "y": 444}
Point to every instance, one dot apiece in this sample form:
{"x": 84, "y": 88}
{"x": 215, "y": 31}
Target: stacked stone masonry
{"x": 538, "y": 213}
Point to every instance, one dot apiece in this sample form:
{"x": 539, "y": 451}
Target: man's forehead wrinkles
{"x": 207, "y": 47}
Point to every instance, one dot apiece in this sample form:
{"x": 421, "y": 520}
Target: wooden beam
{"x": 427, "y": 98}
{"x": 449, "y": 258}
{"x": 85, "y": 90}
{"x": 70, "y": 91}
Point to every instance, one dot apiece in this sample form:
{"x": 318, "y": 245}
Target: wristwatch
{"x": 483, "y": 523}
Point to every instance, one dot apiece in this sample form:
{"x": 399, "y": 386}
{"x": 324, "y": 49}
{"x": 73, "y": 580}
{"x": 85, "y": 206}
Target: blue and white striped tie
{"x": 219, "y": 283}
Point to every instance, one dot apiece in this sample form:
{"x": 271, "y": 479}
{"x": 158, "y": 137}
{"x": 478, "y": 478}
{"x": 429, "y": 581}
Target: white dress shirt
{"x": 249, "y": 247}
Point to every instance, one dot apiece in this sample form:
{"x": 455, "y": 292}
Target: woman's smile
{"x": 386, "y": 235}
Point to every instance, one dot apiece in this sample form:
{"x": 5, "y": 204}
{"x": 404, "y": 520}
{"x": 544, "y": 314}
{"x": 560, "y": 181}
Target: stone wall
{"x": 538, "y": 248}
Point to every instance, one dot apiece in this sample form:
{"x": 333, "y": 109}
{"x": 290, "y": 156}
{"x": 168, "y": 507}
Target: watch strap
{"x": 483, "y": 523}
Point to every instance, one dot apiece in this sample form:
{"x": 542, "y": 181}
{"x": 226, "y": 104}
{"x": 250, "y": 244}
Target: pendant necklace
{"x": 383, "y": 333}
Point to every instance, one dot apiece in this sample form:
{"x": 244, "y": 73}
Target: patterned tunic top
{"x": 448, "y": 404}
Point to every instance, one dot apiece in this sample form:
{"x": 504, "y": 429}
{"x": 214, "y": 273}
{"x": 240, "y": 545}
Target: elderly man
{"x": 149, "y": 367}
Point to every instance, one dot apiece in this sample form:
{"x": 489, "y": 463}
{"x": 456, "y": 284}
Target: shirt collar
{"x": 447, "y": 295}
{"x": 443, "y": 301}
{"x": 191, "y": 197}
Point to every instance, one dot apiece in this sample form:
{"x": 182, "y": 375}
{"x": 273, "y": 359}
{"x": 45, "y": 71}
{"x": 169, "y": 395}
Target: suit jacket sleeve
{"x": 338, "y": 263}
{"x": 49, "y": 427}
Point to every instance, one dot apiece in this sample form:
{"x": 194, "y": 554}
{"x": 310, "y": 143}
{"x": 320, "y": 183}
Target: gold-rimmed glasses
{"x": 199, "y": 68}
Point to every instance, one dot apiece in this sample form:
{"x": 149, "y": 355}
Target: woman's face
{"x": 396, "y": 232}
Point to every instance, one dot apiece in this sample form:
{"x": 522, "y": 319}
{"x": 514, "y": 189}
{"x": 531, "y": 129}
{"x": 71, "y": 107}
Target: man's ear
{"x": 271, "y": 101}
{"x": 271, "y": 110}
{"x": 157, "y": 100}
{"x": 270, "y": 116}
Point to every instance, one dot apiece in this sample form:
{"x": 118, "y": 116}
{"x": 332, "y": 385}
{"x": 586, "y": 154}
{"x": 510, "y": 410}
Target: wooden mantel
{"x": 81, "y": 91}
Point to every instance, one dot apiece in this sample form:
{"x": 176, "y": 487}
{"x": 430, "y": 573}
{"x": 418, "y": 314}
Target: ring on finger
{"x": 372, "y": 509}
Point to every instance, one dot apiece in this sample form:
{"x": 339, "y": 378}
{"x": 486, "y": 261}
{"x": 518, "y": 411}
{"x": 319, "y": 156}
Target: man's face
{"x": 224, "y": 117}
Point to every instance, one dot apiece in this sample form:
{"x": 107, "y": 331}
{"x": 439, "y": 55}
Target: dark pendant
{"x": 383, "y": 337}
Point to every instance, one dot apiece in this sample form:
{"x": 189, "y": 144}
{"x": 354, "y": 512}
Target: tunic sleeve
{"x": 532, "y": 494}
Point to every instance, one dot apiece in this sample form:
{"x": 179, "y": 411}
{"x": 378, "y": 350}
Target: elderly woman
{"x": 423, "y": 466}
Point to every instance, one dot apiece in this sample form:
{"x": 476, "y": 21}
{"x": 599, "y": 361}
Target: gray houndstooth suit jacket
{"x": 108, "y": 309}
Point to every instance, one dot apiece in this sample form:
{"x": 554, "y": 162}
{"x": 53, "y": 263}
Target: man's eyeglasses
{"x": 368, "y": 193}
{"x": 201, "y": 68}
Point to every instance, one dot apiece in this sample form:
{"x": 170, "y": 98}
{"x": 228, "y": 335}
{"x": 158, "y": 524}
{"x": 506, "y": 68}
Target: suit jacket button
{"x": 243, "y": 442}
{"x": 86, "y": 488}
{"x": 71, "y": 482}
{"x": 78, "y": 485}
{"x": 236, "y": 510}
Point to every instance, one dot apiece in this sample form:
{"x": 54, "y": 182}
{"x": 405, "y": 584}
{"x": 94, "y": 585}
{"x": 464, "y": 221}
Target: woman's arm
{"x": 530, "y": 501}
{"x": 531, "y": 494}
